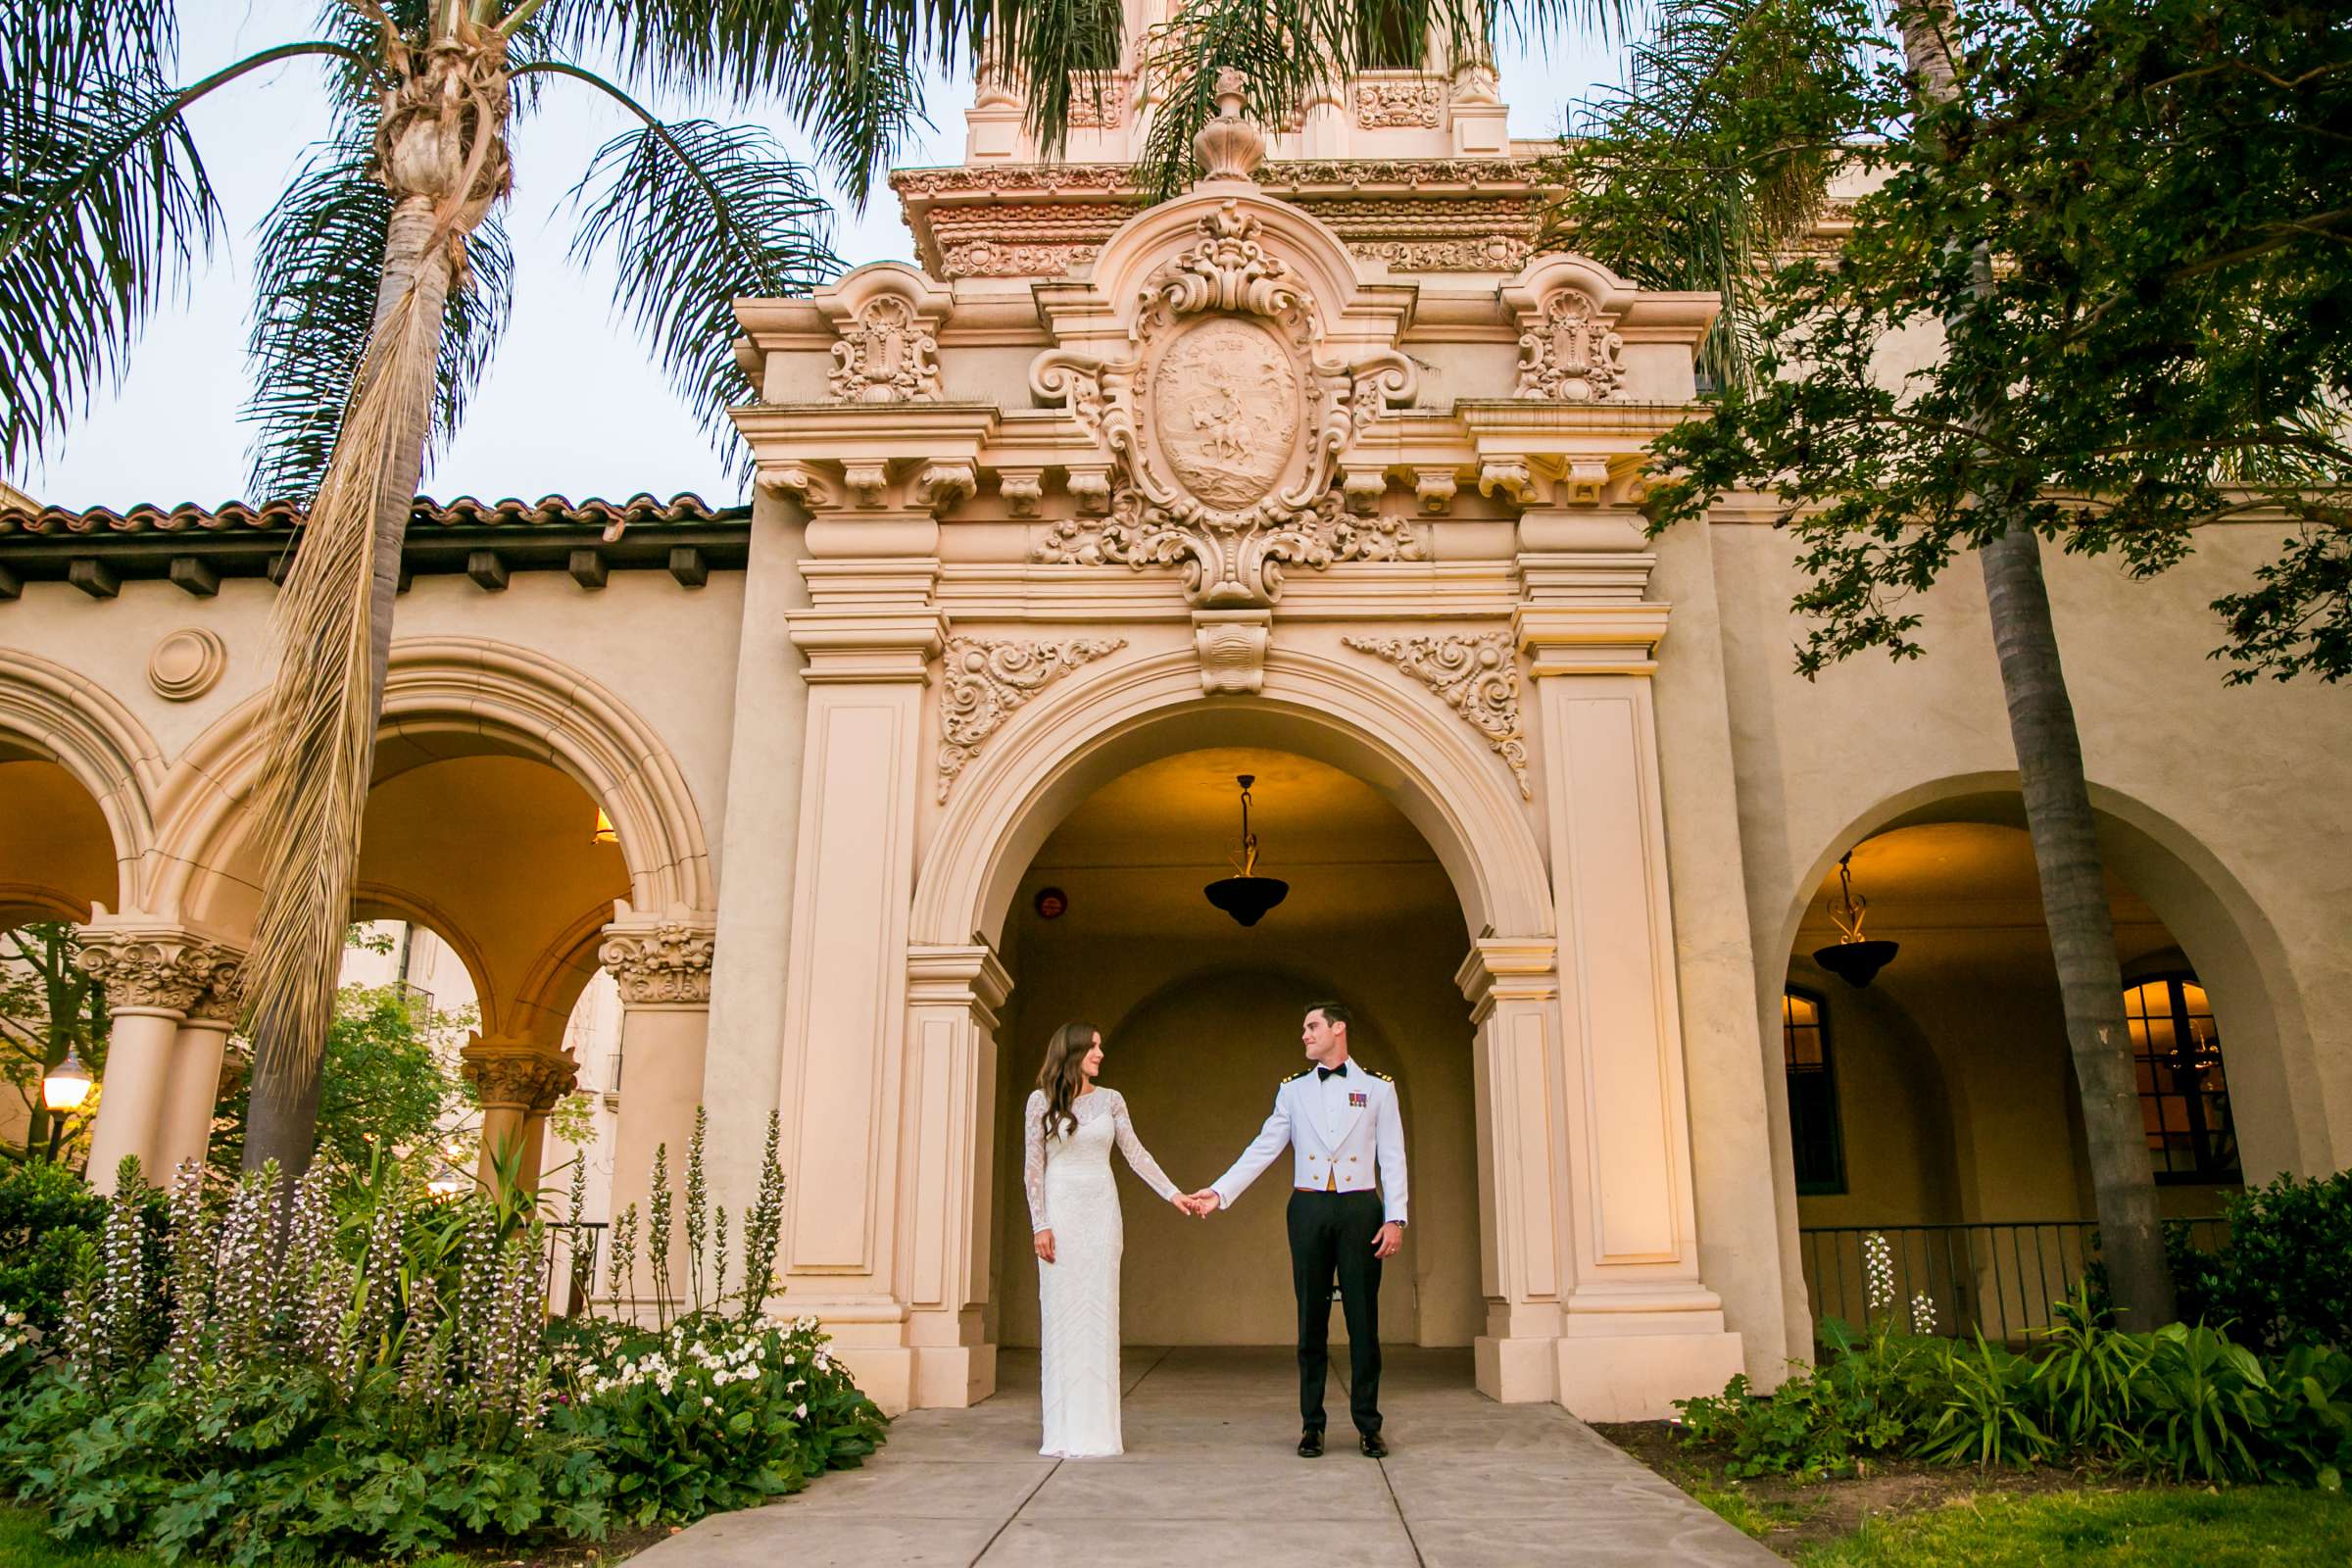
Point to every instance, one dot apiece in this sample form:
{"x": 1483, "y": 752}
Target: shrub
{"x": 46, "y": 1216}
{"x": 2282, "y": 1280}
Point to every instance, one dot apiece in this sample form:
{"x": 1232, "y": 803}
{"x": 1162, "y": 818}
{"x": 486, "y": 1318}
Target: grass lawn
{"x": 25, "y": 1543}
{"x": 2276, "y": 1526}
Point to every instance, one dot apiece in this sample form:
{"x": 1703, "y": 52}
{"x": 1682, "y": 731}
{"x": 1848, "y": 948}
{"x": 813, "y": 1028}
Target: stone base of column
{"x": 1630, "y": 1358}
{"x": 1517, "y": 1371}
{"x": 952, "y": 1377}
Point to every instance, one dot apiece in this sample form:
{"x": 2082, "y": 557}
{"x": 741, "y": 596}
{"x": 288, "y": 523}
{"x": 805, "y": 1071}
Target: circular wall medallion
{"x": 1225, "y": 407}
{"x": 186, "y": 663}
{"x": 1051, "y": 904}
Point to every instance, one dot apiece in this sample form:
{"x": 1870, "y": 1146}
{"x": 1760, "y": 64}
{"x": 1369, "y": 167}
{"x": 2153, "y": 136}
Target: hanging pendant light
{"x": 1855, "y": 959}
{"x": 603, "y": 832}
{"x": 66, "y": 1086}
{"x": 1249, "y": 895}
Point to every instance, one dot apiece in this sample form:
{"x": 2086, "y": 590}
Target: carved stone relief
{"x": 668, "y": 964}
{"x": 1477, "y": 676}
{"x": 1569, "y": 353}
{"x": 887, "y": 355}
{"x": 1380, "y": 105}
{"x": 169, "y": 971}
{"x": 987, "y": 679}
{"x": 1224, "y": 429}
{"x": 1098, "y": 103}
{"x": 989, "y": 258}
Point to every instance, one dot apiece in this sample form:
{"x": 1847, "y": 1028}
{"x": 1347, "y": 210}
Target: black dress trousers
{"x": 1332, "y": 1233}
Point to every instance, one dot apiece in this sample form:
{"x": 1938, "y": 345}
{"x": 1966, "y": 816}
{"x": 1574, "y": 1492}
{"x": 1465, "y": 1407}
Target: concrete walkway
{"x": 1210, "y": 1478}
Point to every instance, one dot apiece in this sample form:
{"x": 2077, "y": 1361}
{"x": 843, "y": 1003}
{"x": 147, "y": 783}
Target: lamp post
{"x": 63, "y": 1087}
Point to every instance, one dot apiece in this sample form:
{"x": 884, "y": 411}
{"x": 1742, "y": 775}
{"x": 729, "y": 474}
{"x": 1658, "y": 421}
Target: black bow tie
{"x": 1322, "y": 1073}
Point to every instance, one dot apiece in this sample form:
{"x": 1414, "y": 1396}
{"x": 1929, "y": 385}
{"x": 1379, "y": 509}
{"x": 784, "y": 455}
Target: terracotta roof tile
{"x": 465, "y": 512}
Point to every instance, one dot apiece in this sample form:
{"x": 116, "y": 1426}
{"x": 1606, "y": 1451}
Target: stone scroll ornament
{"x": 987, "y": 679}
{"x": 1569, "y": 355}
{"x": 1224, "y": 428}
{"x": 1478, "y": 677}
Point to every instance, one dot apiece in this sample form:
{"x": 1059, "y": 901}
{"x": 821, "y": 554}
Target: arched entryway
{"x": 1938, "y": 1106}
{"x": 1201, "y": 1017}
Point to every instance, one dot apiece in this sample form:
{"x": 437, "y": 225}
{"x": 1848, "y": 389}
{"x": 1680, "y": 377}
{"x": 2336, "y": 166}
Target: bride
{"x": 1071, "y": 1123}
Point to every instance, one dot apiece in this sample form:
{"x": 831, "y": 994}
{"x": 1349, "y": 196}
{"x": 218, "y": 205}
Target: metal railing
{"x": 1994, "y": 1279}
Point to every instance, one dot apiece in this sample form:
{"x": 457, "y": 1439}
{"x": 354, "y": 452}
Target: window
{"x": 2184, "y": 1098}
{"x": 1813, "y": 1134}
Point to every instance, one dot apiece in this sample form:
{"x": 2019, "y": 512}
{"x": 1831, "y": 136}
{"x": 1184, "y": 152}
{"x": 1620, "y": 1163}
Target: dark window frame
{"x": 2214, "y": 1151}
{"x": 1819, "y": 1161}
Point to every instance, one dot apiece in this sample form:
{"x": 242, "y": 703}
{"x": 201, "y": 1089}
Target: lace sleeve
{"x": 1139, "y": 1159}
{"x": 1032, "y": 1158}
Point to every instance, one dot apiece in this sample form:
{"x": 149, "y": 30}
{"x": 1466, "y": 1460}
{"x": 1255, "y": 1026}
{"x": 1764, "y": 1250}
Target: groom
{"x": 1341, "y": 1122}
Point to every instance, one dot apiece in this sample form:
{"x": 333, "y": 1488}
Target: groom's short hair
{"x": 1334, "y": 1014}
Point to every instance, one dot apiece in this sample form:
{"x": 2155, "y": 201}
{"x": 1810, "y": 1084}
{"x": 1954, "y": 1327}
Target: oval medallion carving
{"x": 1226, "y": 409}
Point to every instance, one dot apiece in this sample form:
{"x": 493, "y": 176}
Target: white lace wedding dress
{"x": 1072, "y": 1193}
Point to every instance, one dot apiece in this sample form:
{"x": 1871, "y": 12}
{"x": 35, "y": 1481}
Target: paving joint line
{"x": 997, "y": 1534}
{"x": 1404, "y": 1523}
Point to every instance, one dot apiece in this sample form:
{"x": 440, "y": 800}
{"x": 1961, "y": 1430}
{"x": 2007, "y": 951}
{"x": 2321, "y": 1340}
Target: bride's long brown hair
{"x": 1062, "y": 1073}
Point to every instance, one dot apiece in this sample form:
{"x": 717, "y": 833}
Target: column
{"x": 186, "y": 1131}
{"x": 1641, "y": 1329}
{"x": 1518, "y": 1077}
{"x": 662, "y": 964}
{"x": 948, "y": 1168}
{"x": 152, "y": 972}
{"x": 868, "y": 638}
{"x": 518, "y": 1082}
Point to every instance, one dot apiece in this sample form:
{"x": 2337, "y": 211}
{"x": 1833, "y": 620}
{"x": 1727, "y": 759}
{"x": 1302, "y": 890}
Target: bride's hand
{"x": 1043, "y": 1240}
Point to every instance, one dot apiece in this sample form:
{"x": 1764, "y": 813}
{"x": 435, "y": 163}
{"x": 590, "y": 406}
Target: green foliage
{"x": 2127, "y": 227}
{"x": 360, "y": 1370}
{"x": 2183, "y": 1403}
{"x": 2246, "y": 1527}
{"x": 49, "y": 1006}
{"x": 47, "y": 1217}
{"x": 2282, "y": 1277}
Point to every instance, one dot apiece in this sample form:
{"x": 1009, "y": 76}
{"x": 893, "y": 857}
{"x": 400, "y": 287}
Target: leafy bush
{"x": 2282, "y": 1279}
{"x": 357, "y": 1370}
{"x": 46, "y": 1217}
{"x": 2183, "y": 1403}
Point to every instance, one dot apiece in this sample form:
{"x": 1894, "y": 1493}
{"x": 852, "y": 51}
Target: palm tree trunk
{"x": 282, "y": 1113}
{"x": 2066, "y": 846}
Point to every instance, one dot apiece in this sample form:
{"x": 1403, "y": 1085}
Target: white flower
{"x": 800, "y": 1410}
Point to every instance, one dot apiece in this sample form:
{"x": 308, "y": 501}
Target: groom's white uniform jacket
{"x": 1345, "y": 1133}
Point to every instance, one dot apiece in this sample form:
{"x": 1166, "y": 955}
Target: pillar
{"x": 1639, "y": 1328}
{"x": 948, "y": 1168}
{"x": 662, "y": 964}
{"x": 518, "y": 1082}
{"x": 1518, "y": 1083}
{"x": 154, "y": 972}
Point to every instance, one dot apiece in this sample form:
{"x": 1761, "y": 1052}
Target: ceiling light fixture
{"x": 1855, "y": 959}
{"x": 1249, "y": 895}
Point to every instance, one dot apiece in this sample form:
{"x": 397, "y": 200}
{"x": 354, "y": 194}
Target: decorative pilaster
{"x": 662, "y": 964}
{"x": 1520, "y": 1085}
{"x": 1641, "y": 1328}
{"x": 946, "y": 1180}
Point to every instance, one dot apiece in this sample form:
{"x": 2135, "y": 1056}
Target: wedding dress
{"x": 1071, "y": 1194}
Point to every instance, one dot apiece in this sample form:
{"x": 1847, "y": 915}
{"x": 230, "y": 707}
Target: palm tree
{"x": 383, "y": 278}
{"x": 1750, "y": 107}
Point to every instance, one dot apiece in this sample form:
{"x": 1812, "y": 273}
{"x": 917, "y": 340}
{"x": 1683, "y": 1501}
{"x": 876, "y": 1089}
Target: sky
{"x": 572, "y": 404}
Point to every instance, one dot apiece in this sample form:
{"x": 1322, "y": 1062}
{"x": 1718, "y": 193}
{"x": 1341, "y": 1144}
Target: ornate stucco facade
{"x": 1319, "y": 472}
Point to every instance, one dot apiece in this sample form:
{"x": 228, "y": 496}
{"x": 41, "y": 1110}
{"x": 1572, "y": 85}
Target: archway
{"x": 1973, "y": 1147}
{"x": 1201, "y": 1017}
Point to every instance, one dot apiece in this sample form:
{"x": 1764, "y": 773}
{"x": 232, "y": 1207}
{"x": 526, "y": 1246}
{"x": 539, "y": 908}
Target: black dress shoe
{"x": 1310, "y": 1443}
{"x": 1375, "y": 1445}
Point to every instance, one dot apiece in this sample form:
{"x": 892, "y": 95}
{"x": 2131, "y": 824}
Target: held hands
{"x": 1200, "y": 1205}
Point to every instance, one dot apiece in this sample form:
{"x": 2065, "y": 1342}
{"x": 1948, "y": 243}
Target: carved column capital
{"x": 157, "y": 968}
{"x": 516, "y": 1075}
{"x": 660, "y": 964}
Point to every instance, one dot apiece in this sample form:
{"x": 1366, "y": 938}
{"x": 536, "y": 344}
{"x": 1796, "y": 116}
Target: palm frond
{"x": 104, "y": 203}
{"x": 48, "y": 44}
{"x": 314, "y": 286}
{"x": 695, "y": 216}
{"x": 1293, "y": 50}
{"x": 845, "y": 71}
